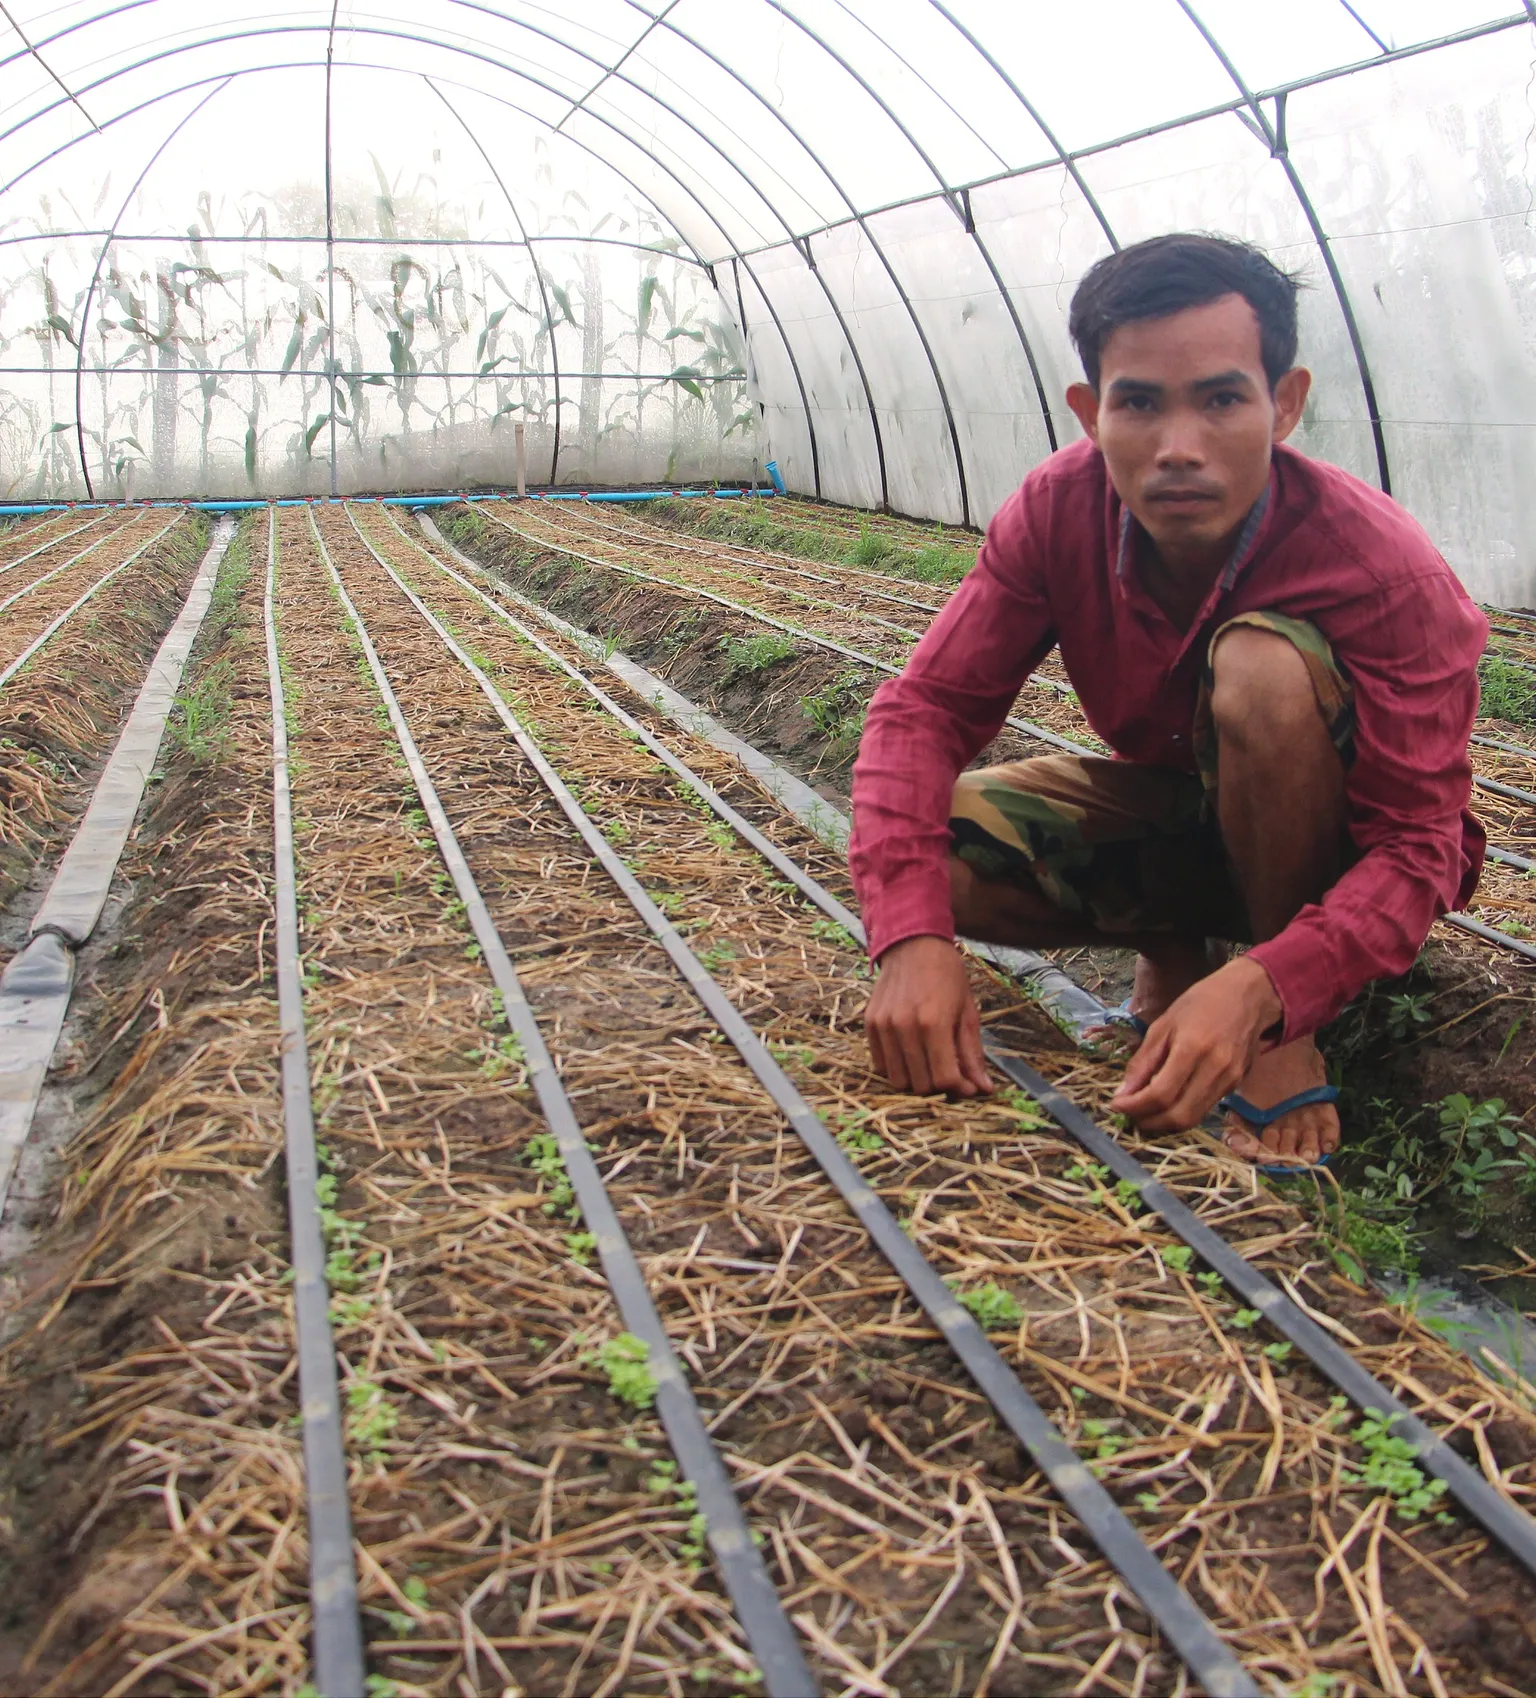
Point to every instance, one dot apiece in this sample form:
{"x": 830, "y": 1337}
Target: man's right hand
{"x": 923, "y": 1028}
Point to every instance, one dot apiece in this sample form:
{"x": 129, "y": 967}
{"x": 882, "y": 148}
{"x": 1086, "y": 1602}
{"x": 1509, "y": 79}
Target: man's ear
{"x": 1083, "y": 399}
{"x": 1290, "y": 398}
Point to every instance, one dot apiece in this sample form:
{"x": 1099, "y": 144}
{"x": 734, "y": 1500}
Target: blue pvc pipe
{"x": 245, "y": 505}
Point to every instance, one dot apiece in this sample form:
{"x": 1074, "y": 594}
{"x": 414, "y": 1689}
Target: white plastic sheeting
{"x": 892, "y": 199}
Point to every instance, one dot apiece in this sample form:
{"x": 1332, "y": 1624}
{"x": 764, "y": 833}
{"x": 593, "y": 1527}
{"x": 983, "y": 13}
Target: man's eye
{"x": 1226, "y": 398}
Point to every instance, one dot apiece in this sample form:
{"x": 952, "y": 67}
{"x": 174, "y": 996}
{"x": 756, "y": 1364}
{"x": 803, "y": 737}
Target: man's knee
{"x": 1261, "y": 688}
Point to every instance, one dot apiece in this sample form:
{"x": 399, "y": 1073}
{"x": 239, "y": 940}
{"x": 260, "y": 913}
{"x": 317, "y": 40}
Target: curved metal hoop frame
{"x": 734, "y": 160}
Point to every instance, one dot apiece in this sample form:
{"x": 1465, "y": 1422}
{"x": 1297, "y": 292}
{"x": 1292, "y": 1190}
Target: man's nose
{"x": 1181, "y": 440}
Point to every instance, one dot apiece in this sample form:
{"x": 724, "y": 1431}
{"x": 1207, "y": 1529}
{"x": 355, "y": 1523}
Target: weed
{"x": 837, "y": 711}
{"x": 991, "y": 1307}
{"x": 746, "y": 656}
{"x": 1404, "y": 1013}
{"x": 1508, "y": 692}
{"x": 199, "y": 723}
{"x": 1391, "y": 1468}
{"x": 627, "y": 1362}
{"x": 871, "y": 548}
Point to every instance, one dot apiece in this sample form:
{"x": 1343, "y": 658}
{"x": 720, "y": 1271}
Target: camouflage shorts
{"x": 1130, "y": 847}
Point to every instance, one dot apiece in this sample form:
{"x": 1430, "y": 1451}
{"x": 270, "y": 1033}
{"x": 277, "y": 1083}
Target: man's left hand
{"x": 1199, "y": 1049}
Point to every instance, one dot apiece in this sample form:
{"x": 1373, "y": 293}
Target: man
{"x": 1285, "y": 669}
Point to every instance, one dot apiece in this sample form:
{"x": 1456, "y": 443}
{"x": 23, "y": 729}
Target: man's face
{"x": 1185, "y": 419}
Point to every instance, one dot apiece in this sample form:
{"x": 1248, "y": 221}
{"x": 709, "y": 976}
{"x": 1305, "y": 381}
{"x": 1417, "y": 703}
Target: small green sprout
{"x": 1178, "y": 1257}
{"x": 1245, "y": 1319}
{"x": 627, "y": 1362}
{"x": 1276, "y": 1352}
{"x": 990, "y": 1306}
{"x": 579, "y": 1246}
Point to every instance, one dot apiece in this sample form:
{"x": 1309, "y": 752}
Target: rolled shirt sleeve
{"x": 926, "y": 725}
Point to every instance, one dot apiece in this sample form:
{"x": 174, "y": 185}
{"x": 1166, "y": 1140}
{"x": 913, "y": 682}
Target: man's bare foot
{"x": 1305, "y": 1134}
{"x": 1161, "y": 979}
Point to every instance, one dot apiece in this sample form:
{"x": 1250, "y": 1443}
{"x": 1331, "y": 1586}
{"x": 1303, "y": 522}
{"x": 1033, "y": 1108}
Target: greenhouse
{"x": 767, "y": 807}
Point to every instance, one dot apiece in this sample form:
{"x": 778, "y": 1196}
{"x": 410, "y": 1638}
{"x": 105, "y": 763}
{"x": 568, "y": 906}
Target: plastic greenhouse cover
{"x": 261, "y": 249}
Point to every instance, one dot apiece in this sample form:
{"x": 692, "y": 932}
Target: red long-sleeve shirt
{"x": 1057, "y": 568}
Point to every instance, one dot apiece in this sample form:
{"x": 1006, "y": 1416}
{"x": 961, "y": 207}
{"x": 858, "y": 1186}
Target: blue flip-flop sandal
{"x": 1122, "y": 1016}
{"x": 1252, "y": 1115}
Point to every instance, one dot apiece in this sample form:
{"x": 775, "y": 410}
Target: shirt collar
{"x": 1247, "y": 537}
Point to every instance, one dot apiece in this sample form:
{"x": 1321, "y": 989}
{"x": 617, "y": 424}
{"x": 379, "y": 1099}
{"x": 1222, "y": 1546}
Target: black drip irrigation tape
{"x": 775, "y": 857}
{"x": 741, "y": 554}
{"x": 1499, "y": 743}
{"x": 756, "y": 1601}
{"x": 1187, "y": 1629}
{"x": 798, "y": 595}
{"x": 1506, "y": 1521}
{"x": 1027, "y": 727}
{"x": 53, "y": 542}
{"x": 1038, "y": 732}
{"x": 52, "y": 630}
{"x": 337, "y": 1653}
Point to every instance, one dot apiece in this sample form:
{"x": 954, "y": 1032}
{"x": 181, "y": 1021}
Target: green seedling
{"x": 1210, "y": 1283}
{"x": 791, "y": 1055}
{"x": 1391, "y": 1468}
{"x": 831, "y": 932}
{"x": 542, "y": 1154}
{"x": 579, "y": 1247}
{"x": 1178, "y": 1257}
{"x": 1277, "y": 1353}
{"x": 1106, "y": 1443}
{"x": 990, "y": 1306}
{"x": 716, "y": 956}
{"x": 627, "y": 1362}
{"x": 371, "y": 1417}
{"x": 1031, "y": 1117}
{"x": 1245, "y": 1319}
{"x": 1128, "y": 1195}
{"x": 854, "y": 1137}
{"x": 1090, "y": 1172}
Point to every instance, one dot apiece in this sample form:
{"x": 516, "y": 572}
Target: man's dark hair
{"x": 1167, "y": 274}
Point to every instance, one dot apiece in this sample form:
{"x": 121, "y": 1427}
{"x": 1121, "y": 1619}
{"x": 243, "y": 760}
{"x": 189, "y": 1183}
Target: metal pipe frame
{"x": 969, "y": 225}
{"x": 869, "y": 235}
{"x": 395, "y": 70}
{"x": 277, "y": 371}
{"x": 1069, "y": 159}
{"x": 330, "y": 241}
{"x": 1248, "y": 106}
{"x": 642, "y": 145}
{"x": 252, "y": 240}
{"x": 90, "y": 293}
{"x": 1273, "y": 136}
{"x": 794, "y": 365}
{"x": 538, "y": 274}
